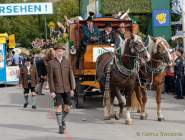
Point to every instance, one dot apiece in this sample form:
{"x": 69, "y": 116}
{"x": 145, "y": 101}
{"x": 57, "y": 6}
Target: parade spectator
{"x": 41, "y": 65}
{"x": 16, "y": 59}
{"x": 60, "y": 84}
{"x": 169, "y": 80}
{"x": 179, "y": 69}
{"x": 28, "y": 80}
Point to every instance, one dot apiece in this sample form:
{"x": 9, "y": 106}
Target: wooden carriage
{"x": 85, "y": 74}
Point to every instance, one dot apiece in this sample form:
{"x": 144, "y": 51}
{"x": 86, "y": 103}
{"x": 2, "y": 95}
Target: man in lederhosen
{"x": 61, "y": 85}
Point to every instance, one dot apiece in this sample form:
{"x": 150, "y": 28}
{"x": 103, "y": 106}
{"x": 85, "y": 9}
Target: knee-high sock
{"x": 26, "y": 98}
{"x": 59, "y": 118}
{"x": 33, "y": 100}
{"x": 64, "y": 114}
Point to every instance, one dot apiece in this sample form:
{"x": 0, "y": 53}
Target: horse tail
{"x": 135, "y": 104}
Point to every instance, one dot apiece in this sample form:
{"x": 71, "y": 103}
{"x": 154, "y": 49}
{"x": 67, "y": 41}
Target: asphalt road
{"x": 17, "y": 123}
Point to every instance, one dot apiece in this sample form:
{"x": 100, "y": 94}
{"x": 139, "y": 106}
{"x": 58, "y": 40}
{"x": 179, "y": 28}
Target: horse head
{"x": 158, "y": 48}
{"x": 137, "y": 48}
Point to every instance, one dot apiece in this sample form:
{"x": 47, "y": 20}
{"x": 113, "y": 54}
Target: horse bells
{"x": 73, "y": 51}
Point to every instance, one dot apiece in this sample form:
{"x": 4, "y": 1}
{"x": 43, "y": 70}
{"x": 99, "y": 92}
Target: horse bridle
{"x": 157, "y": 70}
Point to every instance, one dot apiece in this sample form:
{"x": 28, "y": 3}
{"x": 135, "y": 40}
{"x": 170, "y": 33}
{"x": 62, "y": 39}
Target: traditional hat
{"x": 59, "y": 46}
{"x": 28, "y": 59}
{"x": 108, "y": 24}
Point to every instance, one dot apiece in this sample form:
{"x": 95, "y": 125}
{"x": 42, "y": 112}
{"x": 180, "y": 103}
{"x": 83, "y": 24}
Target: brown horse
{"x": 152, "y": 73}
{"x": 122, "y": 76}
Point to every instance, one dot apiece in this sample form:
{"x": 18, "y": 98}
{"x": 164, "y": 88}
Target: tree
{"x": 27, "y": 28}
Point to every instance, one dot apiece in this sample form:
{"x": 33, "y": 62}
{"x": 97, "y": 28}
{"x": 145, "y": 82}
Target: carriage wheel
{"x": 79, "y": 96}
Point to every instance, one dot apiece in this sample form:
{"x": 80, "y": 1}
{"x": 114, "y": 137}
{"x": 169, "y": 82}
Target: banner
{"x": 13, "y": 9}
{"x": 11, "y": 39}
{"x": 2, "y": 56}
{"x": 161, "y": 18}
{"x": 12, "y": 74}
{"x": 177, "y": 6}
{"x": 2, "y": 40}
{"x": 99, "y": 51}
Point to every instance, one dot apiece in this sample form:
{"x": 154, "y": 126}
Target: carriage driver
{"x": 91, "y": 34}
{"x": 61, "y": 85}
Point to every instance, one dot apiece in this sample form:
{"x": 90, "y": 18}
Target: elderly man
{"x": 60, "y": 84}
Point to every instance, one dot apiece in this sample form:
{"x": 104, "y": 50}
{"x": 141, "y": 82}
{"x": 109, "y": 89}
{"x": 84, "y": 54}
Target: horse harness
{"x": 151, "y": 71}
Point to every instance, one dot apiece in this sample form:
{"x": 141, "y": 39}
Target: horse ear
{"x": 148, "y": 41}
{"x": 154, "y": 39}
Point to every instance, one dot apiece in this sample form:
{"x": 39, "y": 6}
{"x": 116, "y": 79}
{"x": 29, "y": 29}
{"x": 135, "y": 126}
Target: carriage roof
{"x": 100, "y": 22}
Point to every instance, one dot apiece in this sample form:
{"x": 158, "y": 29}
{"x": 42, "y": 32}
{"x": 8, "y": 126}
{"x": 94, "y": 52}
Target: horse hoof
{"x": 129, "y": 122}
{"x": 117, "y": 117}
{"x": 142, "y": 118}
{"x": 138, "y": 111}
{"x": 107, "y": 118}
{"x": 161, "y": 119}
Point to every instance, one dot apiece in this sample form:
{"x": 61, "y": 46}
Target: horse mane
{"x": 159, "y": 39}
{"x": 154, "y": 42}
{"x": 127, "y": 41}
{"x": 151, "y": 46}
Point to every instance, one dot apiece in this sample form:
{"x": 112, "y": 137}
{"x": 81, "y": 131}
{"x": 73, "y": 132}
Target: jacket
{"x": 60, "y": 76}
{"x": 24, "y": 77}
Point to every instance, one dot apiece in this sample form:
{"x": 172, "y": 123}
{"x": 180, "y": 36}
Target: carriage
{"x": 85, "y": 74}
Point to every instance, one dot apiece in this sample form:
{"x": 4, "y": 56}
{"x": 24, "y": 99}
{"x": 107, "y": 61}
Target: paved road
{"x": 17, "y": 123}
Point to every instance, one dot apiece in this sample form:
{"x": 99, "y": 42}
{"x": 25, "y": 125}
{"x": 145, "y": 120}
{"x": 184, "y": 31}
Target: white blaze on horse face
{"x": 147, "y": 55}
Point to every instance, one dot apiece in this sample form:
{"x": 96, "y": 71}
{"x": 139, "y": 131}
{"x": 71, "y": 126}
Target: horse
{"x": 122, "y": 75}
{"x": 152, "y": 73}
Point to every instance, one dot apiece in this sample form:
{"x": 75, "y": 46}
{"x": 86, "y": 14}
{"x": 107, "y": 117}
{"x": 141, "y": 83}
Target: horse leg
{"x": 139, "y": 98}
{"x": 121, "y": 104}
{"x": 158, "y": 101}
{"x": 128, "y": 102}
{"x": 144, "y": 101}
{"x": 112, "y": 114}
{"x": 108, "y": 107}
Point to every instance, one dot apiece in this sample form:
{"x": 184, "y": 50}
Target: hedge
{"x": 135, "y": 6}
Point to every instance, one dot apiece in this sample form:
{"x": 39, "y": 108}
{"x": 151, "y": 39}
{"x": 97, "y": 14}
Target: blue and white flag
{"x": 177, "y": 6}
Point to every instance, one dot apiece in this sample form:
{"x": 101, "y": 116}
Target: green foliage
{"x": 27, "y": 28}
{"x": 135, "y": 6}
{"x": 36, "y": 50}
{"x": 70, "y": 8}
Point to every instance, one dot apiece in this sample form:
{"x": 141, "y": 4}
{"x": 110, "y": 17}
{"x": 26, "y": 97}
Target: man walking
{"x": 28, "y": 80}
{"x": 60, "y": 84}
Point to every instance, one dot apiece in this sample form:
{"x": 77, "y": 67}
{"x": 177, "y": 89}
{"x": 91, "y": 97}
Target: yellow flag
{"x": 12, "y": 43}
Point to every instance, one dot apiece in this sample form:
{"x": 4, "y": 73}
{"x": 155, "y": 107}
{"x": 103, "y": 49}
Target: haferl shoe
{"x": 61, "y": 130}
{"x": 40, "y": 94}
{"x": 179, "y": 97}
{"x": 34, "y": 107}
{"x": 25, "y": 105}
{"x": 64, "y": 125}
